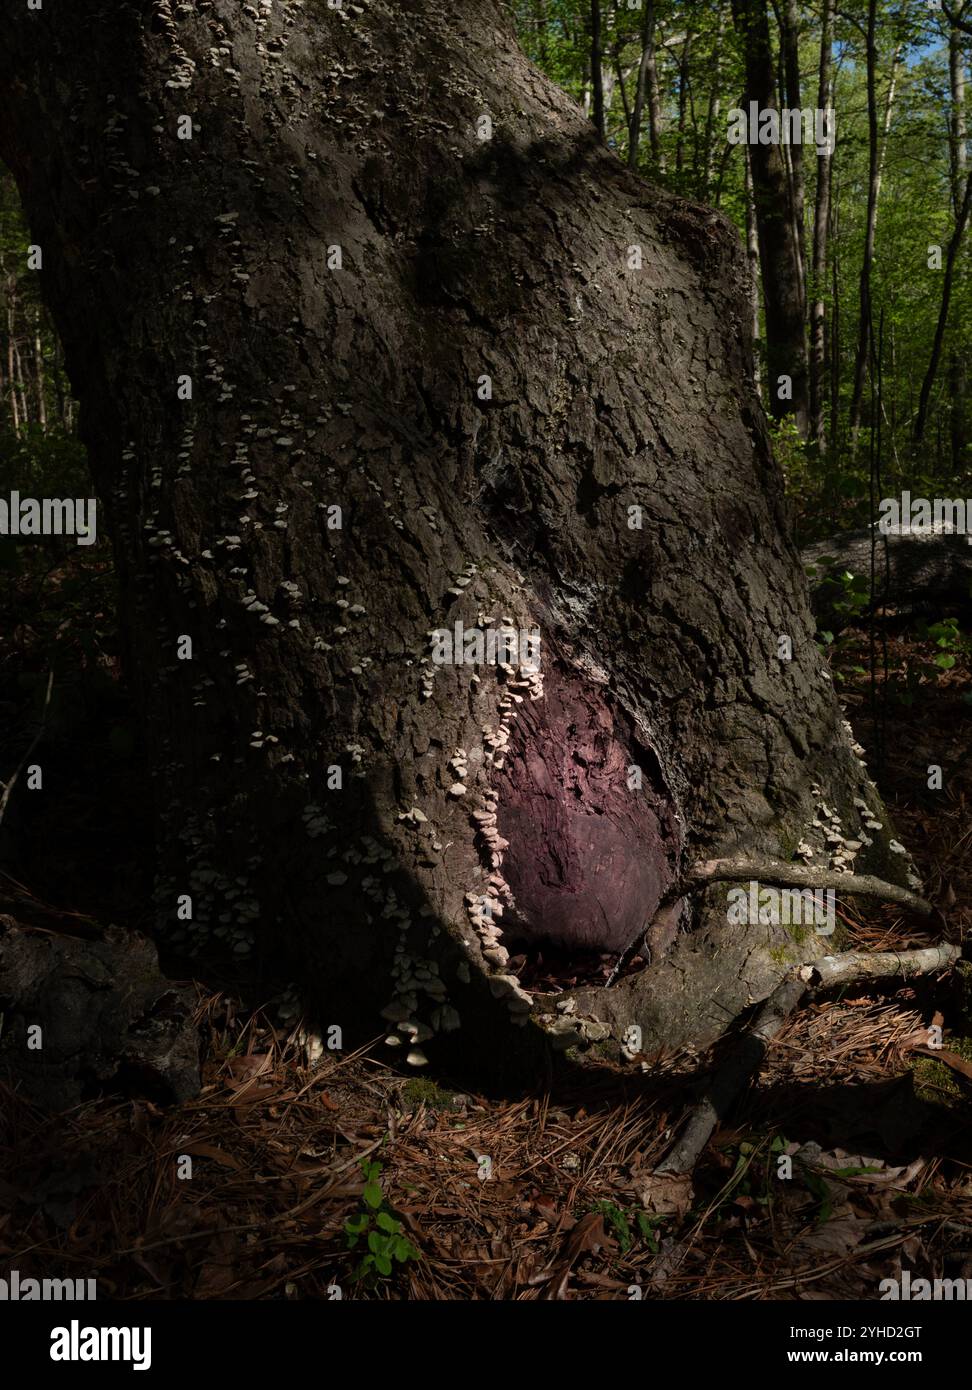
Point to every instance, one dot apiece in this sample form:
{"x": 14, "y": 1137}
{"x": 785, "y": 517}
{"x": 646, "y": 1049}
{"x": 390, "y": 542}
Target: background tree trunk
{"x": 447, "y": 338}
{"x": 646, "y": 83}
{"x": 958, "y": 369}
{"x": 597, "y": 72}
{"x": 752, "y": 255}
{"x": 876, "y": 147}
{"x": 789, "y": 25}
{"x": 786, "y": 349}
{"x": 821, "y": 222}
{"x": 948, "y": 280}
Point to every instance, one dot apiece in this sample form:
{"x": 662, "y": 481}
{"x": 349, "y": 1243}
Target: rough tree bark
{"x": 357, "y": 380}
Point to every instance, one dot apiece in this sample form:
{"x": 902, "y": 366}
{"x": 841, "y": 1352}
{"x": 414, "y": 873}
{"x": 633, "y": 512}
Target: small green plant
{"x": 848, "y": 595}
{"x": 847, "y": 592}
{"x": 755, "y": 1172}
{"x": 949, "y": 641}
{"x": 617, "y": 1220}
{"x": 851, "y": 591}
{"x": 378, "y": 1226}
{"x": 951, "y": 644}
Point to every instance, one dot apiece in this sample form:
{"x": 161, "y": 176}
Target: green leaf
{"x": 373, "y": 1195}
{"x": 387, "y": 1222}
{"x": 383, "y": 1264}
{"x": 821, "y": 1191}
{"x": 647, "y": 1231}
{"x": 945, "y": 662}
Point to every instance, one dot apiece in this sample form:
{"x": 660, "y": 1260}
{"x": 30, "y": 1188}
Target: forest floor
{"x": 285, "y": 1152}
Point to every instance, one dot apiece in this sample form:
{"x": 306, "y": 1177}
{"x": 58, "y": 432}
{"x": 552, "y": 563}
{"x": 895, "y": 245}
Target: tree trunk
{"x": 821, "y": 220}
{"x": 622, "y": 88}
{"x": 39, "y": 373}
{"x": 429, "y": 384}
{"x": 835, "y": 343}
{"x": 786, "y": 350}
{"x": 713, "y": 111}
{"x": 948, "y": 280}
{"x": 597, "y": 72}
{"x": 12, "y": 353}
{"x": 876, "y": 148}
{"x": 790, "y": 52}
{"x": 684, "y": 88}
{"x": 958, "y": 371}
{"x": 647, "y": 82}
{"x": 752, "y": 255}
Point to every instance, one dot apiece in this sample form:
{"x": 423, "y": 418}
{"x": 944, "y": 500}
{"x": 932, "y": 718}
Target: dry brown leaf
{"x": 667, "y": 1194}
{"x": 200, "y": 1150}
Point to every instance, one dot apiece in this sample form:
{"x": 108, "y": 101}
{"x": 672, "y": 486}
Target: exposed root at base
{"x": 745, "y": 1058}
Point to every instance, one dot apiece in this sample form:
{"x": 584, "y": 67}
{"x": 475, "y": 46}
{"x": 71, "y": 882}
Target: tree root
{"x": 704, "y": 872}
{"x": 745, "y": 1058}
{"x": 804, "y": 876}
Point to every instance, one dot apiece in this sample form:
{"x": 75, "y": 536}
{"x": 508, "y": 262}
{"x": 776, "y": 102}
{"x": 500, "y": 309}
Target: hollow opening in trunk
{"x": 593, "y": 837}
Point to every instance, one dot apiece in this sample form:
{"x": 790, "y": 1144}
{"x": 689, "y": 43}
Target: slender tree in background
{"x": 821, "y": 225}
{"x": 684, "y": 98}
{"x": 789, "y": 26}
{"x": 961, "y": 188}
{"x": 948, "y": 280}
{"x": 713, "y": 136}
{"x": 646, "y": 86}
{"x": 876, "y": 145}
{"x": 958, "y": 370}
{"x": 752, "y": 256}
{"x": 597, "y": 72}
{"x": 786, "y": 350}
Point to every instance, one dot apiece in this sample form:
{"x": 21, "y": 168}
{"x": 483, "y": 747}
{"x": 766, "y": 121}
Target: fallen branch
{"x": 745, "y": 1058}
{"x": 878, "y": 965}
